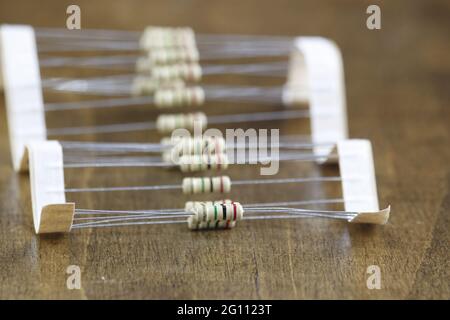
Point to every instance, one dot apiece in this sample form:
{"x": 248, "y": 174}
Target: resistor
{"x": 179, "y": 96}
{"x": 193, "y": 163}
{"x": 195, "y": 145}
{"x": 214, "y": 215}
{"x": 184, "y": 71}
{"x": 172, "y": 55}
{"x": 195, "y": 185}
{"x": 166, "y": 123}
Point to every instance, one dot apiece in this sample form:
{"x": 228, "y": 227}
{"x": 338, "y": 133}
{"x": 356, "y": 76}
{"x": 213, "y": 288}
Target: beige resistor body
{"x": 181, "y": 145}
{"x": 185, "y": 71}
{"x": 173, "y": 55}
{"x": 166, "y": 123}
{"x": 179, "y": 96}
{"x": 195, "y": 185}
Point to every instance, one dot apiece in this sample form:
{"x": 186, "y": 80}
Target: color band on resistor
{"x": 184, "y": 71}
{"x": 195, "y": 185}
{"x": 179, "y": 96}
{"x": 168, "y": 122}
{"x": 215, "y": 211}
{"x": 214, "y": 215}
{"x": 192, "y": 163}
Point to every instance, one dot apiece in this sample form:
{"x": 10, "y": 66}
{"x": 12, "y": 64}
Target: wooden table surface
{"x": 398, "y": 81}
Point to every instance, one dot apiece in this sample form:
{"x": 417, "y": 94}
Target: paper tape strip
{"x": 358, "y": 175}
{"x": 51, "y": 213}
{"x": 22, "y": 86}
{"x": 316, "y": 64}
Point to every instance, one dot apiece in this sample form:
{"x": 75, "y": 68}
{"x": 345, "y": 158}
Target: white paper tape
{"x": 51, "y": 213}
{"x": 358, "y": 175}
{"x": 22, "y": 86}
{"x": 316, "y": 65}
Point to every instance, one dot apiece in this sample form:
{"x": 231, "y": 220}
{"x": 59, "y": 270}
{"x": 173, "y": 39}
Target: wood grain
{"x": 398, "y": 96}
